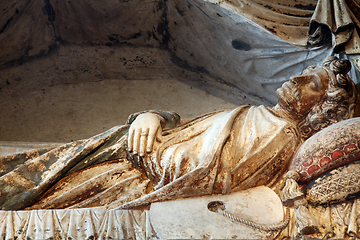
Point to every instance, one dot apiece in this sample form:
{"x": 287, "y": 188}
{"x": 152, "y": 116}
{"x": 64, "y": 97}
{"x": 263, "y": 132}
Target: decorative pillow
{"x": 337, "y": 185}
{"x": 328, "y": 149}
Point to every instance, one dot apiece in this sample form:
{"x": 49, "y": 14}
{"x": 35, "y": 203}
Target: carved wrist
{"x": 161, "y": 119}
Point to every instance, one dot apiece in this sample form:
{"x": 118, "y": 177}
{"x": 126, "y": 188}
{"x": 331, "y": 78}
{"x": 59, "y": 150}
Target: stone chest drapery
{"x": 195, "y": 158}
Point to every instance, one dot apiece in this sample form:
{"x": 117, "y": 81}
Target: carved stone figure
{"x": 155, "y": 158}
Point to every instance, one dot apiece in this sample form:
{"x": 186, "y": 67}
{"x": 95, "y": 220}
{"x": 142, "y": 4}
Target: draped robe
{"x": 215, "y": 153}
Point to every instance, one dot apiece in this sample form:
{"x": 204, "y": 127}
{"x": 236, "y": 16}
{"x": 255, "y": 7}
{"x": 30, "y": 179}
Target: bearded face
{"x": 301, "y": 93}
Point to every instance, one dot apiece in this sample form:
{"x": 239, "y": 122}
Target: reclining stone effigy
{"x": 153, "y": 158}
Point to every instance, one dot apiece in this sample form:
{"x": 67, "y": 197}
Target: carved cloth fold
{"x": 26, "y": 177}
{"x": 298, "y": 22}
{"x": 191, "y": 160}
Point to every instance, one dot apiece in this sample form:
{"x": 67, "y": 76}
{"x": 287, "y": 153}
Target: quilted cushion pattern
{"x": 336, "y": 185}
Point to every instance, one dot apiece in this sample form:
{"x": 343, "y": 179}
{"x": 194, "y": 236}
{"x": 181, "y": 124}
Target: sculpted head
{"x": 319, "y": 97}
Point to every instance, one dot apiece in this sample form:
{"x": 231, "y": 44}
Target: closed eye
{"x": 313, "y": 86}
{"x": 315, "y": 83}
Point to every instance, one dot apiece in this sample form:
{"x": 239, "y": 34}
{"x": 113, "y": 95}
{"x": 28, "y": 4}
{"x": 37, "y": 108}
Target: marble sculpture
{"x": 156, "y": 157}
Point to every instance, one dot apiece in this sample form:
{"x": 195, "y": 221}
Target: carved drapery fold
{"x": 73, "y": 224}
{"x": 289, "y": 20}
{"x": 340, "y": 21}
{"x": 337, "y": 221}
{"x": 307, "y": 22}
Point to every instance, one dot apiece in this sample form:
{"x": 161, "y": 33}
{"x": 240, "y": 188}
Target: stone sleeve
{"x": 171, "y": 119}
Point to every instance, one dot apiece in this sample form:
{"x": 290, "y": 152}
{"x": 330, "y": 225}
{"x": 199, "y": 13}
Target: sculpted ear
{"x": 352, "y": 111}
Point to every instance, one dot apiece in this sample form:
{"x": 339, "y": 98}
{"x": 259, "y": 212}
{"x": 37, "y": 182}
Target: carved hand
{"x": 143, "y": 132}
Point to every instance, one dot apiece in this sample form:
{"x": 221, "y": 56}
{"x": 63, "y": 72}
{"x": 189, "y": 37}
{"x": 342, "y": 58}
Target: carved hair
{"x": 339, "y": 103}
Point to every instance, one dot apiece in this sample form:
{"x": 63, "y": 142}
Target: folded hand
{"x": 143, "y": 132}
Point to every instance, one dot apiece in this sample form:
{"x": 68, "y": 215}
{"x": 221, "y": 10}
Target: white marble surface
{"x": 74, "y": 224}
{"x": 179, "y": 219}
{"x": 190, "y": 218}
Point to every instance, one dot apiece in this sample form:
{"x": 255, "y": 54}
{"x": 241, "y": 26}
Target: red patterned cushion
{"x": 330, "y": 148}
